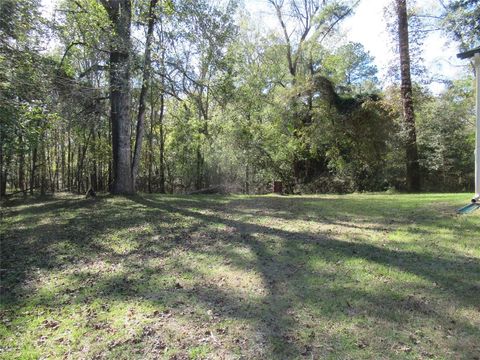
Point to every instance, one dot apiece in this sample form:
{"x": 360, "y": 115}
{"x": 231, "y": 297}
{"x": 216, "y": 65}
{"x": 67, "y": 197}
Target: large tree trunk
{"x": 413, "y": 168}
{"x": 120, "y": 13}
{"x": 143, "y": 92}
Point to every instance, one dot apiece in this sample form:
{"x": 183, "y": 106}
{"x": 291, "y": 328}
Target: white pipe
{"x": 476, "y": 61}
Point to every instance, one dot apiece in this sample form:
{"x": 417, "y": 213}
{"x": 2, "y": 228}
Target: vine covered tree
{"x": 413, "y": 166}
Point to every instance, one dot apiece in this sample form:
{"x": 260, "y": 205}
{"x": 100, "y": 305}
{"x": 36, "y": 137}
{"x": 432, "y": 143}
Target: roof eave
{"x": 469, "y": 54}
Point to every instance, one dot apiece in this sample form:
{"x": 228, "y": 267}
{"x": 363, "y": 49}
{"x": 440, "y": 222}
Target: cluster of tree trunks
{"x": 56, "y": 164}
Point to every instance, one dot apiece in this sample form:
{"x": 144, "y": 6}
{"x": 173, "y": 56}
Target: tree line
{"x": 174, "y": 96}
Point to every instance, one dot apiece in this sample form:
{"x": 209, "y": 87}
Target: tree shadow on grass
{"x": 435, "y": 269}
{"x": 53, "y": 234}
{"x": 457, "y": 278}
{"x": 293, "y": 289}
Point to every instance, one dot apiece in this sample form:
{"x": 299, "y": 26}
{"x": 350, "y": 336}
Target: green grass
{"x": 240, "y": 277}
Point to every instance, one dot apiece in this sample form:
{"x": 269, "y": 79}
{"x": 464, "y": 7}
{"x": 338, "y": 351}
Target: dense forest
{"x": 178, "y": 96}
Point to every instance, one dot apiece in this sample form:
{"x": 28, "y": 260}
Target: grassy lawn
{"x": 240, "y": 277}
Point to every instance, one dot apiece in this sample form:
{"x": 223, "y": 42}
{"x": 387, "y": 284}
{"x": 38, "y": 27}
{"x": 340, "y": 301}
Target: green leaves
{"x": 446, "y": 137}
{"x": 461, "y": 22}
{"x": 168, "y": 7}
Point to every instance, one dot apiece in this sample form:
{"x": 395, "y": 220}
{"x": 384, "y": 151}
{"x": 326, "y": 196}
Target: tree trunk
{"x": 62, "y": 152}
{"x": 94, "y": 169}
{"x": 199, "y": 177}
{"x": 3, "y": 177}
{"x": 247, "y": 179}
{"x": 57, "y": 161}
{"x": 150, "y": 141}
{"x": 82, "y": 152}
{"x": 79, "y": 169}
{"x": 161, "y": 187}
{"x": 413, "y": 168}
{"x": 33, "y": 168}
{"x": 43, "y": 169}
{"x": 21, "y": 168}
{"x": 49, "y": 154}
{"x": 143, "y": 93}
{"x": 119, "y": 12}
